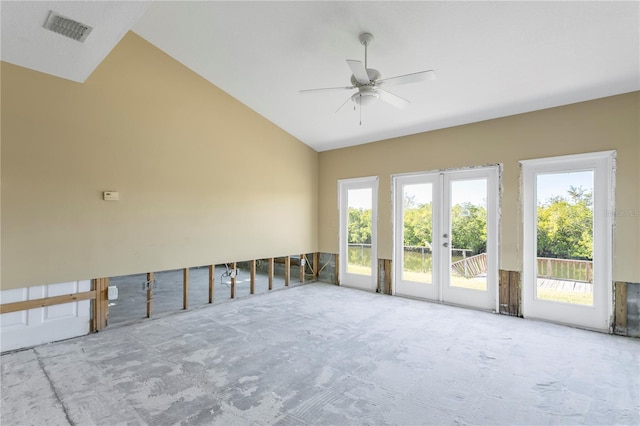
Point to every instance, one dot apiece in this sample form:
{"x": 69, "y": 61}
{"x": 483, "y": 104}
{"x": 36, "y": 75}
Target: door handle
{"x": 445, "y": 245}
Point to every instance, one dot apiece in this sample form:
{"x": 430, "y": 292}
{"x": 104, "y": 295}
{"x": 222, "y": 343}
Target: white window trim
{"x": 353, "y": 183}
{"x": 605, "y": 162}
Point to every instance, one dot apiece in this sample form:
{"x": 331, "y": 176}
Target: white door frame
{"x": 345, "y": 278}
{"x": 599, "y": 316}
{"x": 433, "y": 290}
{"x": 440, "y": 214}
{"x": 488, "y": 300}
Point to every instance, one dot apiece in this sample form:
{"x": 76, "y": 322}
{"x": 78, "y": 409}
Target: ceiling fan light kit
{"x": 367, "y": 81}
{"x": 365, "y": 96}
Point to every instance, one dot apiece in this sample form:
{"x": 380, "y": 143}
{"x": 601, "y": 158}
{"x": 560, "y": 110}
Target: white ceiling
{"x": 492, "y": 59}
{"x": 25, "y": 42}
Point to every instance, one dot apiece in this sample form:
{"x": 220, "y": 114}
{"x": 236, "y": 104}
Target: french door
{"x": 567, "y": 245}
{"x": 445, "y": 236}
{"x": 358, "y": 205}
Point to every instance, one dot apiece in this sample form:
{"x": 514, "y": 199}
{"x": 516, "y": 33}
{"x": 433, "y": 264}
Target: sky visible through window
{"x": 557, "y": 184}
{"x": 360, "y": 198}
{"x": 473, "y": 191}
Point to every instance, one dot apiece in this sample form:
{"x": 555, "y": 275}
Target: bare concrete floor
{"x": 321, "y": 354}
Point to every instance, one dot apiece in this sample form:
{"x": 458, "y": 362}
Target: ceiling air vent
{"x": 67, "y": 27}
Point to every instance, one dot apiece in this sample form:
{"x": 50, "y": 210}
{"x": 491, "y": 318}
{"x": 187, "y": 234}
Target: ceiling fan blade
{"x": 415, "y": 77}
{"x": 327, "y": 88}
{"x": 341, "y": 106}
{"x": 359, "y": 71}
{"x": 392, "y": 99}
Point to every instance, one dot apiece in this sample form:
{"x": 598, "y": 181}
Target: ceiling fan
{"x": 369, "y": 83}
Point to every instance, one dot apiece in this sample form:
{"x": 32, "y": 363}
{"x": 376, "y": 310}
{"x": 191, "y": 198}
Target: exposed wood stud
{"x": 95, "y": 285}
{"x": 150, "y": 281}
{"x": 302, "y": 267}
{"x": 503, "y": 284}
{"x": 316, "y": 264}
{"x": 336, "y": 271}
{"x": 47, "y": 301}
{"x": 185, "y": 288}
{"x": 233, "y": 280}
{"x": 100, "y": 303}
{"x": 387, "y": 276}
{"x": 271, "y": 264}
{"x": 287, "y": 270}
{"x": 514, "y": 293}
{"x": 252, "y": 284}
{"x": 212, "y": 277}
{"x": 95, "y": 309}
{"x": 620, "y": 322}
{"x": 103, "y": 299}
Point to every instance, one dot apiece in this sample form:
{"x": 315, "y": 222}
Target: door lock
{"x": 445, "y": 236}
{"x": 445, "y": 245}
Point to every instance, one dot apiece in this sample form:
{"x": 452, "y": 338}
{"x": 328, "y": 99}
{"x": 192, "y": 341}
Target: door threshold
{"x": 438, "y": 302}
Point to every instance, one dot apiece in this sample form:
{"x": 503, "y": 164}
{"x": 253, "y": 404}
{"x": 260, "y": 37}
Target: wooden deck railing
{"x": 565, "y": 269}
{"x": 561, "y": 269}
{"x": 470, "y": 267}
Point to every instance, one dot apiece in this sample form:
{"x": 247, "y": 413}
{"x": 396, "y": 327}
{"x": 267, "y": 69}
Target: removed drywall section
{"x": 510, "y": 292}
{"x": 385, "y": 272}
{"x": 627, "y": 309}
{"x": 633, "y": 309}
{"x": 205, "y": 285}
{"x": 328, "y": 268}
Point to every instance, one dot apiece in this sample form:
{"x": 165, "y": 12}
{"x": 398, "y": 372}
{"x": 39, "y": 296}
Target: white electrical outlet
{"x": 112, "y": 292}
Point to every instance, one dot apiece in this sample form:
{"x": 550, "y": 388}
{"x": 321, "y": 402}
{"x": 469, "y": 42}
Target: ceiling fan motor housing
{"x": 373, "y": 74}
{"x": 366, "y": 95}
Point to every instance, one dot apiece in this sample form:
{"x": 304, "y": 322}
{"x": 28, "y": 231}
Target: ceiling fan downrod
{"x": 365, "y": 40}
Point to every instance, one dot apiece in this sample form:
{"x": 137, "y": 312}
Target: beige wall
{"x": 605, "y": 124}
{"x": 202, "y": 178}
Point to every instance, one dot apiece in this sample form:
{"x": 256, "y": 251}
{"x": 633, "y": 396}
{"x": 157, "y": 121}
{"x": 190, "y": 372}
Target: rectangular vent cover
{"x": 67, "y": 27}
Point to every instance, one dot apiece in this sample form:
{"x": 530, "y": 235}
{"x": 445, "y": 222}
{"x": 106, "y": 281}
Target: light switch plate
{"x": 110, "y": 195}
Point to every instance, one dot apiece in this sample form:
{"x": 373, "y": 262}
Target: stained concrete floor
{"x": 321, "y": 354}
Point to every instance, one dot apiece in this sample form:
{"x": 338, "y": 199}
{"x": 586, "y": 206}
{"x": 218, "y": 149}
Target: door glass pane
{"x": 417, "y": 208}
{"x": 468, "y": 239}
{"x": 565, "y": 237}
{"x": 359, "y": 203}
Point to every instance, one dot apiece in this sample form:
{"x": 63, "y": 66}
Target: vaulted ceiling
{"x": 491, "y": 59}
